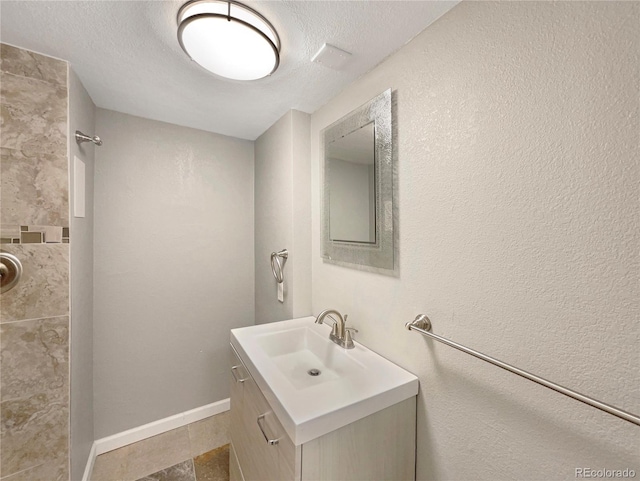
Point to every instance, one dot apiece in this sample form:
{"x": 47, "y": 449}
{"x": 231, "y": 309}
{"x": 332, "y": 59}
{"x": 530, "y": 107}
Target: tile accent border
{"x": 119, "y": 440}
{"x": 34, "y": 234}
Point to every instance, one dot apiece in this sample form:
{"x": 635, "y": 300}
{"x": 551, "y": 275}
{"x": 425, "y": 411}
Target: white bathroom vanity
{"x": 304, "y": 408}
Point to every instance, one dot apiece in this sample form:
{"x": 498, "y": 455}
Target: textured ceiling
{"x": 127, "y": 55}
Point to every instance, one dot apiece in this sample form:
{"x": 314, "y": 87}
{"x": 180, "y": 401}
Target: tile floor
{"x": 196, "y": 452}
{"x": 211, "y": 466}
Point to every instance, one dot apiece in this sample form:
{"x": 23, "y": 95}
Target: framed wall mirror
{"x": 359, "y": 226}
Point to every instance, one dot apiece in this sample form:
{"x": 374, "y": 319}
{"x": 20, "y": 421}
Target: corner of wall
{"x": 82, "y": 115}
{"x": 301, "y": 200}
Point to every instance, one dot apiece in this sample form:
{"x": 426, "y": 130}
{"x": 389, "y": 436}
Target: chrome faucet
{"x": 340, "y": 333}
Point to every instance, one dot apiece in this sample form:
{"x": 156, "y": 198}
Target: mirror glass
{"x": 352, "y": 187}
{"x": 359, "y": 225}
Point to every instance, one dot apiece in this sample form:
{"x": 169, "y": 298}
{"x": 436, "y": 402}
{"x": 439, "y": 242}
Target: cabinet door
{"x": 262, "y": 437}
{"x": 235, "y": 473}
{"x": 256, "y": 434}
{"x": 379, "y": 446}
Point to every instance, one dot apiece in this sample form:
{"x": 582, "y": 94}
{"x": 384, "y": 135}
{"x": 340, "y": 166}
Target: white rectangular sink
{"x": 351, "y": 383}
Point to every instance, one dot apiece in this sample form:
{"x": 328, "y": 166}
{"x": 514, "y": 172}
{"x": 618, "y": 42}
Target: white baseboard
{"x": 119, "y": 440}
{"x": 90, "y": 462}
{"x": 160, "y": 426}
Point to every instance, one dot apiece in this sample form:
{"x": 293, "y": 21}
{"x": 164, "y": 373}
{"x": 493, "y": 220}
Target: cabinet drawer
{"x": 238, "y": 375}
{"x": 260, "y": 457}
{"x": 263, "y": 449}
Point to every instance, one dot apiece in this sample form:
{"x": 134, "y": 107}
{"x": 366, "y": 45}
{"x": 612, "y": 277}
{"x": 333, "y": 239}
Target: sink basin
{"x": 306, "y": 359}
{"x": 313, "y": 385}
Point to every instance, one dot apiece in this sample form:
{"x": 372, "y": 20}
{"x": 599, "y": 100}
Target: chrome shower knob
{"x": 10, "y": 271}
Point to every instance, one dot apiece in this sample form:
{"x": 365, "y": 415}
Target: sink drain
{"x": 313, "y": 372}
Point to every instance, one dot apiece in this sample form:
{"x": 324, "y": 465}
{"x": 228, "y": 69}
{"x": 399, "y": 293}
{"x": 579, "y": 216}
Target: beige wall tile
{"x": 10, "y": 230}
{"x": 34, "y": 380}
{"x": 30, "y": 64}
{"x": 43, "y": 290}
{"x": 34, "y": 412}
{"x": 50, "y": 471}
{"x": 34, "y": 432}
{"x": 34, "y": 115}
{"x": 34, "y": 188}
{"x": 208, "y": 434}
{"x": 35, "y": 359}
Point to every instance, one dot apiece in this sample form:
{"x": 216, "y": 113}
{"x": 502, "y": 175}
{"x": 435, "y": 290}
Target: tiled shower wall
{"x": 34, "y": 315}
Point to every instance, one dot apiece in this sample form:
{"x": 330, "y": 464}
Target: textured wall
{"x": 34, "y": 315}
{"x": 301, "y": 179}
{"x": 282, "y": 217}
{"x": 81, "y": 117}
{"x": 519, "y": 232}
{"x": 174, "y": 267}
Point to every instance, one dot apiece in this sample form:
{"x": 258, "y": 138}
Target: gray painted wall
{"x": 282, "y": 217}
{"x": 81, "y": 117}
{"x": 174, "y": 267}
{"x": 518, "y": 184}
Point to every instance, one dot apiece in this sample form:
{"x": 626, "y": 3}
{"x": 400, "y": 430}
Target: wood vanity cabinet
{"x": 378, "y": 447}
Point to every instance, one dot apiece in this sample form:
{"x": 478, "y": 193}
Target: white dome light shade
{"x": 228, "y": 39}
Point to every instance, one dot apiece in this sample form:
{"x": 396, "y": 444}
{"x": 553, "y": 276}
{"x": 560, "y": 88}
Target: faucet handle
{"x": 334, "y": 327}
{"x": 343, "y": 335}
{"x": 348, "y": 337}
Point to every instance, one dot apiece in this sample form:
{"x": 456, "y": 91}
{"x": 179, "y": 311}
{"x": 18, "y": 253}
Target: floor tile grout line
{"x": 193, "y": 466}
{"x": 193, "y": 469}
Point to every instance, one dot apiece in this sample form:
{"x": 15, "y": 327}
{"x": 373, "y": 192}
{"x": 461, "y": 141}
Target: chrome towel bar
{"x": 422, "y": 324}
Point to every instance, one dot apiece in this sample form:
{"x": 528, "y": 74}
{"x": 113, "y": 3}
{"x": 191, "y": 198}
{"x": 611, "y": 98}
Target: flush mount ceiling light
{"x": 228, "y": 39}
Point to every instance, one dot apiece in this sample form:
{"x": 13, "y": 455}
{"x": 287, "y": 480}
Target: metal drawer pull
{"x": 233, "y": 371}
{"x": 271, "y": 442}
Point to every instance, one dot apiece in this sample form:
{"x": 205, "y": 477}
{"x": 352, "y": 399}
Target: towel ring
{"x": 277, "y": 264}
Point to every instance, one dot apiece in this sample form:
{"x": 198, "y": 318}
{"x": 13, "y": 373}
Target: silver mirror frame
{"x": 382, "y": 256}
